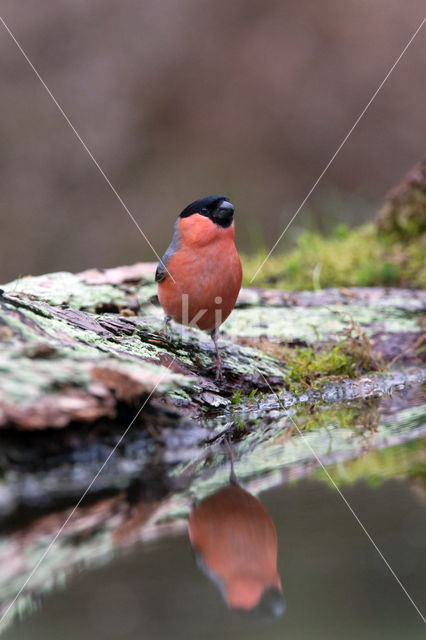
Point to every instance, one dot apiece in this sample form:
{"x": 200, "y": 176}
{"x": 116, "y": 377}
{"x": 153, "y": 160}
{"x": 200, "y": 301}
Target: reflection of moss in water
{"x": 334, "y": 432}
{"x": 363, "y": 256}
{"x": 401, "y": 461}
{"x": 418, "y": 472}
{"x": 354, "y": 416}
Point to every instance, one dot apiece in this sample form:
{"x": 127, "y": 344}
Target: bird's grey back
{"x": 161, "y": 272}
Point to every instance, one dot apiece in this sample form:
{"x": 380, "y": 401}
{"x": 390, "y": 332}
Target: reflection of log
{"x": 156, "y": 501}
{"x": 74, "y": 350}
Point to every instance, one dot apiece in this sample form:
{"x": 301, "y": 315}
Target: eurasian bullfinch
{"x": 235, "y": 544}
{"x": 199, "y": 276}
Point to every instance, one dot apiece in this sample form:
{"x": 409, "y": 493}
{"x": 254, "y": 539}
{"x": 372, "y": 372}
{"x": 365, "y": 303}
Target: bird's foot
{"x": 219, "y": 374}
{"x": 219, "y": 379}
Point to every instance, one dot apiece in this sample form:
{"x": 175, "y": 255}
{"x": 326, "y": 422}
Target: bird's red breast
{"x": 237, "y": 541}
{"x": 205, "y": 274}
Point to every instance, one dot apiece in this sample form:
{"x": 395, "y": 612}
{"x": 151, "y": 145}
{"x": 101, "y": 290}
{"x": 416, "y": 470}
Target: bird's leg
{"x": 166, "y": 328}
{"x": 232, "y": 476}
{"x": 219, "y": 375}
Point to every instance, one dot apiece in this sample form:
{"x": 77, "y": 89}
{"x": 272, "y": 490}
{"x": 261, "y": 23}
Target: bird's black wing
{"x": 162, "y": 271}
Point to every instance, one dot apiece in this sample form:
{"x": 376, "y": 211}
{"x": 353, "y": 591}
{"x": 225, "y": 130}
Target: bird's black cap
{"x": 218, "y": 208}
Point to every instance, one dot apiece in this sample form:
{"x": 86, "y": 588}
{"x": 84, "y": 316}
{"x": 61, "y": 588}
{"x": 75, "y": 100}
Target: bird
{"x": 235, "y": 543}
{"x": 199, "y": 276}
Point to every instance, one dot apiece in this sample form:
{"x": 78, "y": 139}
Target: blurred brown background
{"x": 182, "y": 98}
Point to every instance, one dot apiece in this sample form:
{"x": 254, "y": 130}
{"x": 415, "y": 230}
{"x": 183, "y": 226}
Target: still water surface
{"x": 335, "y": 584}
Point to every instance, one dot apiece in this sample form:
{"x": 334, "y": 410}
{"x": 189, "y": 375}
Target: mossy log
{"x": 77, "y": 347}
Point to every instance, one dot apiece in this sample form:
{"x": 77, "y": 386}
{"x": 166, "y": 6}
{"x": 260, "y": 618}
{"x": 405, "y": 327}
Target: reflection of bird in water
{"x": 235, "y": 543}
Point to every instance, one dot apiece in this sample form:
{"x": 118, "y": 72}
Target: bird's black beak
{"x": 224, "y": 213}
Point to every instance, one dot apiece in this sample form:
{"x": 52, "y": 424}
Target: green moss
{"x": 406, "y": 218}
{"x": 307, "y": 365}
{"x": 349, "y": 357}
{"x": 362, "y": 257}
{"x": 403, "y": 213}
{"x": 236, "y": 397}
{"x": 244, "y": 401}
